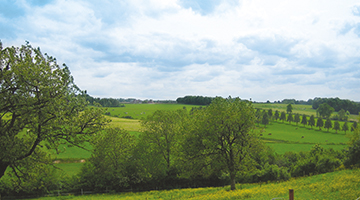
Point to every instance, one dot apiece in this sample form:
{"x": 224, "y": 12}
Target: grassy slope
{"x": 336, "y": 185}
{"x": 284, "y": 136}
{"x": 138, "y": 111}
{"x": 301, "y": 109}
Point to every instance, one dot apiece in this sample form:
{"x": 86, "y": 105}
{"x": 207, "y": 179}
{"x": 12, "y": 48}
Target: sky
{"x": 165, "y": 49}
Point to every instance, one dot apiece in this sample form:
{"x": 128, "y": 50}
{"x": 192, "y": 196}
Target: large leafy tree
{"x": 112, "y": 163}
{"x": 161, "y": 131}
{"x": 40, "y": 106}
{"x": 325, "y": 110}
{"x": 222, "y": 133}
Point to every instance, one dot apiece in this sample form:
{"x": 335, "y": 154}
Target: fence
{"x": 291, "y": 195}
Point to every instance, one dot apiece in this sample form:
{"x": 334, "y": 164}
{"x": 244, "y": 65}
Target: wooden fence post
{"x": 291, "y": 194}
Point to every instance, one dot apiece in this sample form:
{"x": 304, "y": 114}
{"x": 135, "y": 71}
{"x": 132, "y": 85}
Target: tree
{"x": 311, "y": 122}
{"x": 276, "y": 115}
{"x": 283, "y": 116}
{"x": 258, "y": 116}
{"x": 336, "y": 126}
{"x": 297, "y": 118}
{"x": 265, "y": 119}
{"x": 304, "y": 120}
{"x": 345, "y": 127}
{"x": 353, "y": 126}
{"x": 40, "y": 104}
{"x": 111, "y": 164}
{"x": 319, "y": 123}
{"x": 161, "y": 131}
{"x": 328, "y": 124}
{"x": 289, "y": 108}
{"x": 222, "y": 132}
{"x": 324, "y": 110}
{"x": 342, "y": 115}
{"x": 270, "y": 114}
{"x": 290, "y": 118}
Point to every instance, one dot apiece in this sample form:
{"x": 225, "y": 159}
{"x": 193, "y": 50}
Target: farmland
{"x": 280, "y": 136}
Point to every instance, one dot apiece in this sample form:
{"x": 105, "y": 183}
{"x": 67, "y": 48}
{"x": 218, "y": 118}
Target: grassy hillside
{"x": 138, "y": 111}
{"x": 297, "y": 108}
{"x": 284, "y": 136}
{"x": 331, "y": 186}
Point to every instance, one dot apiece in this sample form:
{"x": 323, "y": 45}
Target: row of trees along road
{"x": 40, "y": 107}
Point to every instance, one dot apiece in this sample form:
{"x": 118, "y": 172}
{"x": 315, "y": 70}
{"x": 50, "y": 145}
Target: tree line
{"x": 194, "y": 100}
{"x": 264, "y": 117}
{"x": 338, "y": 104}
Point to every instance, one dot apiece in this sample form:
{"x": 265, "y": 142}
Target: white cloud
{"x": 166, "y": 49}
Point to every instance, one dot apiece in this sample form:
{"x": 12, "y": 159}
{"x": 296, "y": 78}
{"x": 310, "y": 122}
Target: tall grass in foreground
{"x": 337, "y": 185}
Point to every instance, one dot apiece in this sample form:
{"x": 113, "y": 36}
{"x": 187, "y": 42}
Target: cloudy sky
{"x": 164, "y": 49}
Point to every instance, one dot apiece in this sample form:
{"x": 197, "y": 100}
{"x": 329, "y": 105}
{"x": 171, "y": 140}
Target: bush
{"x": 353, "y": 155}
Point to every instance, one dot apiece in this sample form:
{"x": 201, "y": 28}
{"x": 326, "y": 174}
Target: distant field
{"x": 284, "y": 136}
{"x": 332, "y": 186}
{"x": 297, "y": 108}
{"x": 138, "y": 111}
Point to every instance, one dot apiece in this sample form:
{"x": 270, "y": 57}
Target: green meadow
{"x": 297, "y": 108}
{"x": 332, "y": 186}
{"x": 138, "y": 111}
{"x": 280, "y": 136}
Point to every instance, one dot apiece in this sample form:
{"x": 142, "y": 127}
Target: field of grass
{"x": 331, "y": 186}
{"x": 297, "y": 108}
{"x": 284, "y": 136}
{"x": 138, "y": 111}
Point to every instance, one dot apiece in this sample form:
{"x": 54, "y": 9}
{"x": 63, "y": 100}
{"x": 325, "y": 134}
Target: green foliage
{"x": 297, "y": 118}
{"x": 324, "y": 110}
{"x": 354, "y": 126}
{"x": 111, "y": 164}
{"x": 289, "y": 108}
{"x": 319, "y": 123}
{"x": 276, "y": 115}
{"x": 222, "y": 132}
{"x": 30, "y": 176}
{"x": 283, "y": 116}
{"x": 265, "y": 119}
{"x": 270, "y": 113}
{"x": 162, "y": 131}
{"x": 290, "y": 118}
{"x": 311, "y": 122}
{"x": 40, "y": 104}
{"x": 336, "y": 126}
{"x": 316, "y": 161}
{"x": 194, "y": 100}
{"x": 338, "y": 104}
{"x": 304, "y": 120}
{"x": 328, "y": 124}
{"x": 345, "y": 127}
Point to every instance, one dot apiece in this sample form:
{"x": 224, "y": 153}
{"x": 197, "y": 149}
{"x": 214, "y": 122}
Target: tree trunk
{"x": 232, "y": 179}
{"x": 3, "y": 167}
